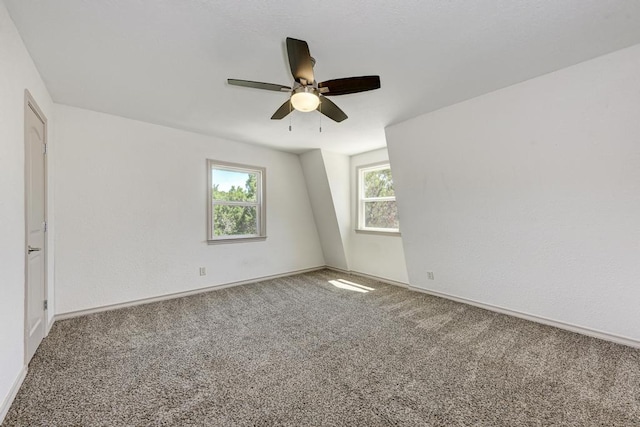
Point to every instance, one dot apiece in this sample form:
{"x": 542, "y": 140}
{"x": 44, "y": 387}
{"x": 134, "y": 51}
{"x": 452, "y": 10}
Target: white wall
{"x": 337, "y": 171}
{"x": 324, "y": 212}
{"x": 331, "y": 182}
{"x": 17, "y": 73}
{"x": 374, "y": 254}
{"x": 529, "y": 197}
{"x": 131, "y": 212}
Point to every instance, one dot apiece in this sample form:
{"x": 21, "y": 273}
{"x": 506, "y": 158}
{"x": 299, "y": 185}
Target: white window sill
{"x": 378, "y": 232}
{"x": 236, "y": 240}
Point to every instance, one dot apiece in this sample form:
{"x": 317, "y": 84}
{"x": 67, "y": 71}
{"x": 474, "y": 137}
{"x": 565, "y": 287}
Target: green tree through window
{"x": 377, "y": 209}
{"x": 236, "y": 202}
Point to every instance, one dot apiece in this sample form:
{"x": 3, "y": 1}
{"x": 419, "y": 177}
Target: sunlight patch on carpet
{"x": 351, "y": 286}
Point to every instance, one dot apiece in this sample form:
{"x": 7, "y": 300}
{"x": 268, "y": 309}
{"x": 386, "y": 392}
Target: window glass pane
{"x": 381, "y": 214}
{"x": 234, "y": 220}
{"x": 378, "y": 183}
{"x": 234, "y": 186}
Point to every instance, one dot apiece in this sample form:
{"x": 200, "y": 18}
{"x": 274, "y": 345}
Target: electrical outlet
{"x": 203, "y": 271}
{"x": 430, "y": 275}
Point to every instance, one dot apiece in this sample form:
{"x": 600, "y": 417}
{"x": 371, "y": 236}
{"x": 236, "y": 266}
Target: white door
{"x": 35, "y": 190}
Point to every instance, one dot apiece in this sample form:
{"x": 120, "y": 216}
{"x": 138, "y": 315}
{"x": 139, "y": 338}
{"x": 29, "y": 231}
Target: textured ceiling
{"x": 167, "y": 61}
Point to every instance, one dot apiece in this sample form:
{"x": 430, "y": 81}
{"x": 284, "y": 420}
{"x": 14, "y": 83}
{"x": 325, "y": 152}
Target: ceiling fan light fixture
{"x": 305, "y": 99}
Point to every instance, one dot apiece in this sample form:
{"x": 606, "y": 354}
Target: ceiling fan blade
{"x": 349, "y": 85}
{"x": 331, "y": 110}
{"x": 283, "y": 111}
{"x": 259, "y": 85}
{"x": 300, "y": 60}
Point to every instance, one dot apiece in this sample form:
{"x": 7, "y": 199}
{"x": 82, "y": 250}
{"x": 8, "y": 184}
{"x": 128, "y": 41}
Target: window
{"x": 377, "y": 210}
{"x": 236, "y": 207}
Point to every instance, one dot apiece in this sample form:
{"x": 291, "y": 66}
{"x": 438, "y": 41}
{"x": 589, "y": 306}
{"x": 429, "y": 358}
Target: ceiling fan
{"x": 307, "y": 94}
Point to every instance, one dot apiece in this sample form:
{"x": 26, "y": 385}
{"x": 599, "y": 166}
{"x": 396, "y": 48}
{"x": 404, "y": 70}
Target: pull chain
{"x": 320, "y": 109}
{"x": 289, "y": 116}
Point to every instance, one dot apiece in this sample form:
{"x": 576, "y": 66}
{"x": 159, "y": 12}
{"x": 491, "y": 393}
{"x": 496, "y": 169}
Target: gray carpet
{"x": 299, "y": 351}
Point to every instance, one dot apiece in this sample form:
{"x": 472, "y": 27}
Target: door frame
{"x": 31, "y": 104}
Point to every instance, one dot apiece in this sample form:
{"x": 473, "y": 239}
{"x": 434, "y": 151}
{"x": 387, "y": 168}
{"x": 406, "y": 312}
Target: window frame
{"x": 361, "y": 200}
{"x": 260, "y": 203}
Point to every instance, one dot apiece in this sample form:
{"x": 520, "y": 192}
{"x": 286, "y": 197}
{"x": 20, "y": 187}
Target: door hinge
{"x": 46, "y": 304}
{"x": 44, "y": 150}
{"x": 45, "y": 226}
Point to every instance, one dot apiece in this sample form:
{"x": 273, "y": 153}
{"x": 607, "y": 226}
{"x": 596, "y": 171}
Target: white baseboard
{"x": 6, "y": 403}
{"x": 50, "y": 325}
{"x": 77, "y": 313}
{"x": 531, "y": 317}
{"x": 336, "y": 269}
{"x": 534, "y": 318}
